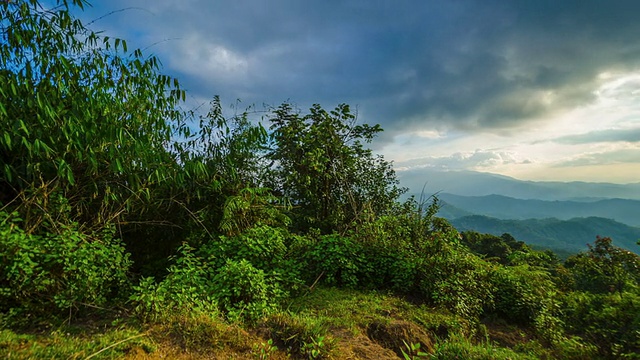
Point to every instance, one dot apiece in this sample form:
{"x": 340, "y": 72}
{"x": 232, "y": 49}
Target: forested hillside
{"x": 559, "y": 235}
{"x": 131, "y": 228}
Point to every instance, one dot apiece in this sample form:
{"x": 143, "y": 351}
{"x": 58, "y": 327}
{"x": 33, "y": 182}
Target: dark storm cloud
{"x": 407, "y": 65}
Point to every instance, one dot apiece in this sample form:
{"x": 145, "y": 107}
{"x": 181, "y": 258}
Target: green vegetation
{"x": 129, "y": 228}
{"x": 561, "y": 236}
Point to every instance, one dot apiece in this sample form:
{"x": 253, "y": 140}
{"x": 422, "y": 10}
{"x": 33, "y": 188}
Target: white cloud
{"x": 198, "y": 56}
{"x": 482, "y": 160}
{"x": 630, "y": 155}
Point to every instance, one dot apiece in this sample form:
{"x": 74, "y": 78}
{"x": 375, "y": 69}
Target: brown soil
{"x": 394, "y": 334}
{"x": 359, "y": 346}
{"x": 507, "y": 335}
{"x": 382, "y": 341}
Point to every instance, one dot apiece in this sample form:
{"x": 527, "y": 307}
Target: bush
{"x": 391, "y": 268}
{"x": 611, "y": 322}
{"x": 236, "y": 288}
{"x": 527, "y": 296}
{"x": 337, "y": 259}
{"x": 187, "y": 287}
{"x": 605, "y": 268}
{"x": 390, "y": 261}
{"x": 271, "y": 250}
{"x": 244, "y": 291}
{"x": 263, "y": 246}
{"x": 414, "y": 253}
{"x": 521, "y": 293}
{"x": 58, "y": 274}
{"x": 450, "y": 275}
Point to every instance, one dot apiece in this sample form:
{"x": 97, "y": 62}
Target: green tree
{"x": 491, "y": 246}
{"x": 320, "y": 164}
{"x": 605, "y": 268}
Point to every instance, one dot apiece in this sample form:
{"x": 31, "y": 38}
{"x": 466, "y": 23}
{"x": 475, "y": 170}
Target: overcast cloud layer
{"x": 485, "y": 85}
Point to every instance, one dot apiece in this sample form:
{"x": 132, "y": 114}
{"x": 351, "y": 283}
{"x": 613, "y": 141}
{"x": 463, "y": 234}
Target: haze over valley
{"x": 563, "y": 216}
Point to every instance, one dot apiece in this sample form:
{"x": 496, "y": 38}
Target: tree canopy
{"x": 321, "y": 165}
{"x": 80, "y": 114}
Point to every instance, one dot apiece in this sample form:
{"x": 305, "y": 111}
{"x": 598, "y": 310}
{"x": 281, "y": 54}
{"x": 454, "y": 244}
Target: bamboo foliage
{"x": 81, "y": 113}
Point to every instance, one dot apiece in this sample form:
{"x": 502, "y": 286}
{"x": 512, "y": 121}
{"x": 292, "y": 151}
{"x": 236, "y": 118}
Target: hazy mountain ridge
{"x": 472, "y": 183}
{"x": 502, "y": 207}
{"x": 563, "y": 216}
{"x": 566, "y": 235}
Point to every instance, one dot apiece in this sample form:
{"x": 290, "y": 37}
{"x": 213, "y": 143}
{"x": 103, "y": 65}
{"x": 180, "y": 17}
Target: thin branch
{"x": 117, "y": 11}
{"x": 115, "y": 344}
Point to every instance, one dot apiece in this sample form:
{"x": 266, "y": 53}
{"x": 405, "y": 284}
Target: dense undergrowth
{"x": 130, "y": 228}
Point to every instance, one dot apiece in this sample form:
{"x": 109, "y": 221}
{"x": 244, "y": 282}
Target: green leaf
{"x": 118, "y": 164}
{"x": 7, "y": 140}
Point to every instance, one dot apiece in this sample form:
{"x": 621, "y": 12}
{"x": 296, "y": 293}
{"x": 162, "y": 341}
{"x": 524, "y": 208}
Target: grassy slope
{"x": 326, "y": 323}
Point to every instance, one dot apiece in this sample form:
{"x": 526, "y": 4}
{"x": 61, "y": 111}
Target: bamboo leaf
{"x": 7, "y": 140}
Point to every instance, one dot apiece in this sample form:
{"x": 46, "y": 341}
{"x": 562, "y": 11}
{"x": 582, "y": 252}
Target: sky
{"x": 536, "y": 90}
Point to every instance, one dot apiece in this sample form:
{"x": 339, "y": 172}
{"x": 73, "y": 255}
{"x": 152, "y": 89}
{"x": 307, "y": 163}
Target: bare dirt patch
{"x": 394, "y": 334}
{"x": 359, "y": 346}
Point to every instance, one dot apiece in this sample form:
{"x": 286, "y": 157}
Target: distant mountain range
{"x": 562, "y": 216}
{"x": 564, "y": 236}
{"x": 503, "y": 207}
{"x": 471, "y": 183}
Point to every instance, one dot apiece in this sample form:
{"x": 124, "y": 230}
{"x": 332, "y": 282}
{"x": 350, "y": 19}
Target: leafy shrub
{"x": 450, "y": 275}
{"x": 390, "y": 261}
{"x": 527, "y": 296}
{"x": 295, "y": 266}
{"x": 236, "y": 288}
{"x": 271, "y": 250}
{"x": 187, "y": 287}
{"x": 412, "y": 252}
{"x": 605, "y": 268}
{"x": 521, "y": 293}
{"x": 244, "y": 291}
{"x": 58, "y": 273}
{"x": 457, "y": 281}
{"x": 391, "y": 268}
{"x": 611, "y": 322}
{"x": 337, "y": 259}
{"x": 263, "y": 246}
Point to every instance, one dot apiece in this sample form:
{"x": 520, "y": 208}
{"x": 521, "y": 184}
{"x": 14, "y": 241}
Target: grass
{"x": 326, "y": 323}
{"x": 459, "y": 347}
{"x": 60, "y": 344}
